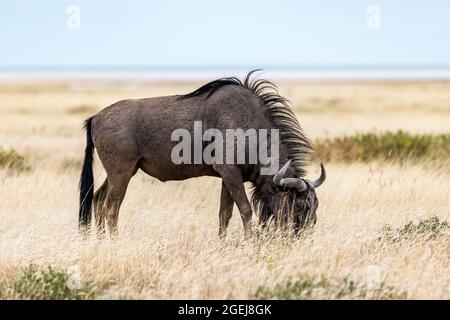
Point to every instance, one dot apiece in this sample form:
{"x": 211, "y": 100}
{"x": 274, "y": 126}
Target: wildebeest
{"x": 136, "y": 134}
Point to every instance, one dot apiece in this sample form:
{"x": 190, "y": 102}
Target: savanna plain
{"x": 382, "y": 231}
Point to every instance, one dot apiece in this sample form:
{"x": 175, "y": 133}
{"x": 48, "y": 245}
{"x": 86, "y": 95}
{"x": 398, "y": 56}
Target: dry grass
{"x": 168, "y": 245}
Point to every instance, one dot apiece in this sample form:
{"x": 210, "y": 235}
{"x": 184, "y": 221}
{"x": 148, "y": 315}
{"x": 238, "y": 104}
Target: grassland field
{"x": 383, "y": 221}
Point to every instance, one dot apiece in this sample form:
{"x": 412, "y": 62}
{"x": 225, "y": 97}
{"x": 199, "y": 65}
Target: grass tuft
{"x": 396, "y": 146}
{"x": 50, "y": 284}
{"x": 429, "y": 229}
{"x": 308, "y": 287}
{"x": 12, "y": 160}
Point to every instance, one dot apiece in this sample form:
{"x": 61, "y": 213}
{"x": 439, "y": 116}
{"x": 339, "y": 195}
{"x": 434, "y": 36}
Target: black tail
{"x": 87, "y": 182}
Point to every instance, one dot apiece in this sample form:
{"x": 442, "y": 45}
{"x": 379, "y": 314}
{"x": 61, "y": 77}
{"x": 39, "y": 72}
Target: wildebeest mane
{"x": 280, "y": 110}
{"x": 213, "y": 86}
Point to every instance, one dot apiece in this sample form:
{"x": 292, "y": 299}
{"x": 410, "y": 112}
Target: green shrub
{"x": 397, "y": 146}
{"x": 303, "y": 288}
{"x": 50, "y": 284}
{"x": 12, "y": 160}
{"x": 307, "y": 287}
{"x": 428, "y": 229}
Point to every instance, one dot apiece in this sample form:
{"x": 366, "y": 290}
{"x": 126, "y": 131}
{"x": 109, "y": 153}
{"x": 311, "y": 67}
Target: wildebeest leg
{"x": 232, "y": 178}
{"x": 99, "y": 208}
{"x": 226, "y": 210}
{"x": 264, "y": 221}
{"x": 117, "y": 187}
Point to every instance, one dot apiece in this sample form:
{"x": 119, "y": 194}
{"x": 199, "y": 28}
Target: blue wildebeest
{"x": 137, "y": 134}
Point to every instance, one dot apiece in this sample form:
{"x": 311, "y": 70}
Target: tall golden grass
{"x": 168, "y": 245}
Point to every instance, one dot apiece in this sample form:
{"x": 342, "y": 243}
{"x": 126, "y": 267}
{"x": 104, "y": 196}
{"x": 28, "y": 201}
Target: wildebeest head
{"x": 291, "y": 200}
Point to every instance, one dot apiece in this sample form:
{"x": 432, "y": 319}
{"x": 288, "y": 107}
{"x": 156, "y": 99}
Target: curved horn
{"x": 280, "y": 174}
{"x": 323, "y": 176}
{"x": 296, "y": 183}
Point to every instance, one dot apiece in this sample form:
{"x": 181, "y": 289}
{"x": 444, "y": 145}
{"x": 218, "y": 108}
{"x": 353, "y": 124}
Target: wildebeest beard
{"x": 288, "y": 210}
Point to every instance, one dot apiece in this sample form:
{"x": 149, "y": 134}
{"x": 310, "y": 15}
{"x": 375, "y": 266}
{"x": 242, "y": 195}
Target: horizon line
{"x": 274, "y": 67}
{"x": 190, "y": 73}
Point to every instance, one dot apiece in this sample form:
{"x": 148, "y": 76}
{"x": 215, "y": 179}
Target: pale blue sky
{"x": 226, "y": 33}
